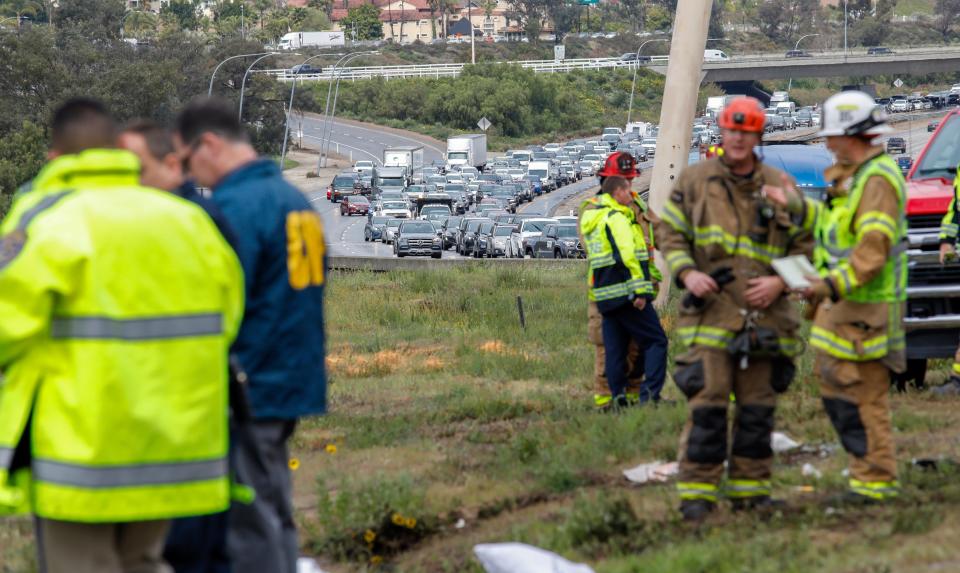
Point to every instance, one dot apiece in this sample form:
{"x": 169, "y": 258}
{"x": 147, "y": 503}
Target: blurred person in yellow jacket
{"x": 118, "y": 304}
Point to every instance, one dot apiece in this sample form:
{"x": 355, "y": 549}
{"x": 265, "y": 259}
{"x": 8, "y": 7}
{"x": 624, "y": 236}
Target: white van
{"x": 715, "y": 56}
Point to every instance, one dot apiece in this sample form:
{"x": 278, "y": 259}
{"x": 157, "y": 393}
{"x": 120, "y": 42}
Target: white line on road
{"x": 375, "y": 158}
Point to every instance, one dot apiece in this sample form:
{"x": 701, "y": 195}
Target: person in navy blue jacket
{"x": 280, "y": 347}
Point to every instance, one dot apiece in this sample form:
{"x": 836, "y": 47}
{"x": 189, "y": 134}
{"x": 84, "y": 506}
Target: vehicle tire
{"x": 557, "y": 254}
{"x": 528, "y": 254}
{"x": 366, "y": 238}
{"x": 916, "y": 372}
{"x": 436, "y": 256}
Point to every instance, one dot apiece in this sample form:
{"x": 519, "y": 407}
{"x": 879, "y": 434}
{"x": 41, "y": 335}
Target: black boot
{"x": 758, "y": 503}
{"x": 695, "y": 510}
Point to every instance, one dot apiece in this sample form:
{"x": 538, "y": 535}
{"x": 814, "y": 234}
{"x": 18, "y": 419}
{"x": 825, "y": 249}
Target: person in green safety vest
{"x": 860, "y": 294}
{"x": 118, "y": 305}
{"x": 949, "y": 227}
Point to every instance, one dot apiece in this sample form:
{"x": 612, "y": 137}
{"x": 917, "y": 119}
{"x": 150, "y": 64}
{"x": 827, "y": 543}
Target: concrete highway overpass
{"x": 915, "y": 61}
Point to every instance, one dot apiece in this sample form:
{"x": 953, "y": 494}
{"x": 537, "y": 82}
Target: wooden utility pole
{"x": 684, "y": 73}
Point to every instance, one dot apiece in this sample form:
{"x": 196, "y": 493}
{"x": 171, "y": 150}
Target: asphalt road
{"x": 345, "y": 234}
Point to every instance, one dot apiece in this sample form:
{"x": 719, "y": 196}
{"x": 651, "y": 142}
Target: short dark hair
{"x": 82, "y": 123}
{"x": 613, "y": 183}
{"x": 158, "y": 138}
{"x": 213, "y": 115}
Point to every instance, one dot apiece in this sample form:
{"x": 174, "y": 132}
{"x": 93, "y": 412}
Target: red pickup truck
{"x": 932, "y": 319}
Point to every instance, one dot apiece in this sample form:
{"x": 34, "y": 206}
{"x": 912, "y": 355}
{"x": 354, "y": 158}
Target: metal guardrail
{"x": 553, "y": 66}
{"x": 382, "y": 265}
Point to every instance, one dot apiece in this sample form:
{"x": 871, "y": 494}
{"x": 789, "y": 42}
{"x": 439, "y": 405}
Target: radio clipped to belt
{"x": 753, "y": 341}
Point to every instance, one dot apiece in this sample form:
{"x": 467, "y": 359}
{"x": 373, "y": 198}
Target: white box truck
{"x": 467, "y": 150}
{"x": 297, "y": 40}
{"x": 410, "y": 157}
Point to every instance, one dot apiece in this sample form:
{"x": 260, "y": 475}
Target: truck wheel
{"x": 437, "y": 255}
{"x": 916, "y": 372}
{"x": 557, "y": 254}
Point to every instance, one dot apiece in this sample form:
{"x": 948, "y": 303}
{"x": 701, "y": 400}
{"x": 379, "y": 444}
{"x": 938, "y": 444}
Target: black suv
{"x": 896, "y": 145}
{"x": 448, "y": 232}
{"x": 558, "y": 242}
{"x": 879, "y": 51}
{"x": 799, "y": 54}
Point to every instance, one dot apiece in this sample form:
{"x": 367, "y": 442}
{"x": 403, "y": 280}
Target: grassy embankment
{"x": 443, "y": 409}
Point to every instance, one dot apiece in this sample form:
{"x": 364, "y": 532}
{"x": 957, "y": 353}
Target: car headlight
{"x": 436, "y": 240}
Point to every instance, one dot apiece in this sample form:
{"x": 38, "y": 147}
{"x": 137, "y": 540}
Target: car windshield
{"x": 474, "y": 225}
{"x": 487, "y": 227}
{"x": 534, "y": 226}
{"x": 457, "y": 155}
{"x": 941, "y": 157}
{"x": 453, "y": 221}
{"x": 395, "y": 205}
{"x": 359, "y": 201}
{"x": 455, "y": 188}
{"x": 591, "y": 158}
{"x": 538, "y": 172}
{"x": 418, "y": 227}
{"x": 394, "y": 222}
{"x": 434, "y": 209}
{"x": 379, "y": 220}
{"x": 391, "y": 181}
{"x": 343, "y": 181}
{"x": 649, "y": 141}
{"x": 502, "y": 231}
{"x": 567, "y": 231}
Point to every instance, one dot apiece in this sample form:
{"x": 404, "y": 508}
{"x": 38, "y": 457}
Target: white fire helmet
{"x": 853, "y": 113}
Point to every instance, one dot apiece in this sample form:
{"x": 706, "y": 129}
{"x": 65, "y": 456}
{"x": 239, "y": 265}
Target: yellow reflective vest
{"x": 118, "y": 304}
{"x": 865, "y": 323}
{"x": 616, "y": 252}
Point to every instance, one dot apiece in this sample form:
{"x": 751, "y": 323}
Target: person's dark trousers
{"x": 198, "y": 544}
{"x": 262, "y": 536}
{"x": 622, "y": 324}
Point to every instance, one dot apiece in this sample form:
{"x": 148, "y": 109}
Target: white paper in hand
{"x": 523, "y": 558}
{"x": 794, "y": 271}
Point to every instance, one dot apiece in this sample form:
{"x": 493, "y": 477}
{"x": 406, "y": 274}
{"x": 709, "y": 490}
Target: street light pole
{"x": 844, "y": 30}
{"x": 326, "y": 108}
{"x": 636, "y": 67}
{"x": 473, "y": 49}
{"x": 293, "y": 87}
{"x": 336, "y": 93}
{"x": 216, "y": 69}
{"x": 243, "y": 83}
{"x": 795, "y": 48}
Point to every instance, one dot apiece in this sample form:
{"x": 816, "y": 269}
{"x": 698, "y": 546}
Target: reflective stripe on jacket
{"x": 612, "y": 242}
{"x": 715, "y": 219}
{"x": 119, "y": 304}
{"x": 950, "y": 225}
{"x": 864, "y": 321}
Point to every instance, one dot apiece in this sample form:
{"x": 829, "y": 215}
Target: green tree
{"x": 564, "y": 14}
{"x": 92, "y": 19}
{"x": 363, "y": 20}
{"x": 530, "y": 15}
{"x": 185, "y": 13}
{"x": 659, "y": 19}
{"x": 946, "y": 13}
{"x": 141, "y": 25}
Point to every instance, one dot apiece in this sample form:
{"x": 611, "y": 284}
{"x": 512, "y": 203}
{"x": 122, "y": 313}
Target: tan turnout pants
{"x": 69, "y": 547}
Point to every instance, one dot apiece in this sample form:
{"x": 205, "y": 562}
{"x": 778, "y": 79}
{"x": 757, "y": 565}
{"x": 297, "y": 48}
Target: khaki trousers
{"x": 601, "y": 390}
{"x": 69, "y": 547}
{"x": 707, "y": 376}
{"x": 855, "y": 396}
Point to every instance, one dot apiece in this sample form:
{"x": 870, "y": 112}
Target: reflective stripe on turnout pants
{"x": 855, "y": 396}
{"x": 707, "y": 376}
{"x": 601, "y": 390}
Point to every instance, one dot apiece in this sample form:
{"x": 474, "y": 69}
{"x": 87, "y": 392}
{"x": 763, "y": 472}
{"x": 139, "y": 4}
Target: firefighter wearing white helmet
{"x": 858, "y": 301}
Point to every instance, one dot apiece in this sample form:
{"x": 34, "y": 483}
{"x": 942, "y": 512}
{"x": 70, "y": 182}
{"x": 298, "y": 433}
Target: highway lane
{"x": 345, "y": 234}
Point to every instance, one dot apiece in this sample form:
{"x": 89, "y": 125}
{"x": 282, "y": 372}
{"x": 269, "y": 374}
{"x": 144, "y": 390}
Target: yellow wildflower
{"x": 294, "y": 464}
{"x": 376, "y": 560}
{"x": 331, "y": 448}
{"x": 369, "y": 536}
{"x": 398, "y": 519}
{"x": 411, "y": 522}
